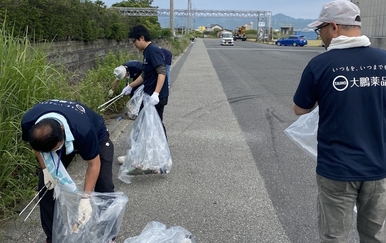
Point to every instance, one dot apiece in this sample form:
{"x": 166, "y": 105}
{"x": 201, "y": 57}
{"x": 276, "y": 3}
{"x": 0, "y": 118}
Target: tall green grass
{"x": 93, "y": 89}
{"x": 25, "y": 79}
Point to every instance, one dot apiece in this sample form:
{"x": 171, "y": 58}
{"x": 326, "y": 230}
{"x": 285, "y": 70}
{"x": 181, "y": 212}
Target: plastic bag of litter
{"x": 304, "y": 132}
{"x": 149, "y": 150}
{"x": 156, "y": 232}
{"x": 134, "y": 104}
{"x": 103, "y": 226}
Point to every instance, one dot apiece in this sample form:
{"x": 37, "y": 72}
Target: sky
{"x": 297, "y": 9}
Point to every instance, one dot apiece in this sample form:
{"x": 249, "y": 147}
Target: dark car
{"x": 292, "y": 40}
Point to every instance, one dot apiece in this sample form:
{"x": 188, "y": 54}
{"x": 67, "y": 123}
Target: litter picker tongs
{"x": 105, "y": 105}
{"x": 37, "y": 194}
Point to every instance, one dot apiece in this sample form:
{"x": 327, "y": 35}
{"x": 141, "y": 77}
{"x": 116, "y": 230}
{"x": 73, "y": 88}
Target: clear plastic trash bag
{"x": 304, "y": 132}
{"x": 156, "y": 232}
{"x": 107, "y": 214}
{"x": 134, "y": 104}
{"x": 149, "y": 150}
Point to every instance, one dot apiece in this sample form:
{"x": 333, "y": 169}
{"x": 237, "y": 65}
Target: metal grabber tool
{"x": 37, "y": 194}
{"x": 104, "y": 106}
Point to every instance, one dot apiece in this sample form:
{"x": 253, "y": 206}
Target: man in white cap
{"x": 348, "y": 83}
{"x": 131, "y": 69}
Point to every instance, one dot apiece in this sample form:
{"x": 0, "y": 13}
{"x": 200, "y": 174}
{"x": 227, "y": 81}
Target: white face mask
{"x": 60, "y": 147}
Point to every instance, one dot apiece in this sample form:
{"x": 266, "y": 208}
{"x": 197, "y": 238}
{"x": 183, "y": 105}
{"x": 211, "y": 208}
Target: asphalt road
{"x": 236, "y": 177}
{"x": 259, "y": 81}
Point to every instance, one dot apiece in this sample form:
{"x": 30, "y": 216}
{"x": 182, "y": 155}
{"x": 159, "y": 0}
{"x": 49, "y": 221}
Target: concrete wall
{"x": 80, "y": 56}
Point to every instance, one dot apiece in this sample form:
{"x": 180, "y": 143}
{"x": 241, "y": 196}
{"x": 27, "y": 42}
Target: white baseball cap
{"x": 341, "y": 12}
{"x": 120, "y": 72}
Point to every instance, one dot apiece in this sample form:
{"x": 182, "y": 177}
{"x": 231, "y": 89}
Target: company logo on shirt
{"x": 360, "y": 76}
{"x": 80, "y": 108}
{"x": 340, "y": 83}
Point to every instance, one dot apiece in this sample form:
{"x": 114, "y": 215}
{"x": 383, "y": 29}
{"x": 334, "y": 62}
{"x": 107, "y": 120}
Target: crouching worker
{"x": 66, "y": 128}
{"x": 129, "y": 70}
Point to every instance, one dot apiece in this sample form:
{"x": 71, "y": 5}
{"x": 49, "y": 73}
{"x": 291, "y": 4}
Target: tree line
{"x": 79, "y": 20}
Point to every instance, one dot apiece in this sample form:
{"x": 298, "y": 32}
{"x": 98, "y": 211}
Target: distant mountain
{"x": 278, "y": 20}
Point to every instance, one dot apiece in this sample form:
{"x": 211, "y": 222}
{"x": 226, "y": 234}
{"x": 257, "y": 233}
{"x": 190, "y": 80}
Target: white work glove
{"x": 49, "y": 181}
{"x": 126, "y": 90}
{"x": 84, "y": 214}
{"x": 111, "y": 93}
{"x": 154, "y": 99}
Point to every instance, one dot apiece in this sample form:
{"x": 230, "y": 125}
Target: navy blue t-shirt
{"x": 152, "y": 58}
{"x": 134, "y": 68}
{"x": 350, "y": 88}
{"x": 168, "y": 56}
{"x": 87, "y": 127}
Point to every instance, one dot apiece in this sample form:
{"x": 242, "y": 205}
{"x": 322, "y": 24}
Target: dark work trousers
{"x": 160, "y": 110}
{"x": 104, "y": 183}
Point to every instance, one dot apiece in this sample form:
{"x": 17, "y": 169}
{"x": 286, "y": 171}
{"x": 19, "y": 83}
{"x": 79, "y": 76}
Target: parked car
{"x": 293, "y": 40}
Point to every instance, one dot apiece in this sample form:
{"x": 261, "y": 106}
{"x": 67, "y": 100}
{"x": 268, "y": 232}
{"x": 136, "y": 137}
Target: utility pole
{"x": 172, "y": 17}
{"x": 190, "y": 15}
{"x": 188, "y": 20}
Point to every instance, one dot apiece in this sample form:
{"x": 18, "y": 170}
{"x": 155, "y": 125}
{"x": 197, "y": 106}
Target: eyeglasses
{"x": 317, "y": 30}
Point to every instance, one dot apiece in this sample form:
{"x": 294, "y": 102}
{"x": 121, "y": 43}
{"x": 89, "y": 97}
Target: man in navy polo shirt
{"x": 67, "y": 128}
{"x": 154, "y": 70}
{"x": 153, "y": 75}
{"x": 348, "y": 83}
